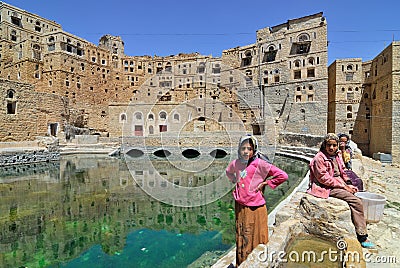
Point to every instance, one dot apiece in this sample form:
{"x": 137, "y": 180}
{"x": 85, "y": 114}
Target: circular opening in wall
{"x": 162, "y": 153}
{"x": 190, "y": 153}
{"x": 218, "y": 153}
{"x": 135, "y": 153}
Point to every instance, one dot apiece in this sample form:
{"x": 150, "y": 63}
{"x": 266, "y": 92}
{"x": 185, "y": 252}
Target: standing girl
{"x": 249, "y": 173}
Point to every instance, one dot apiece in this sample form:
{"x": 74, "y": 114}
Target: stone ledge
{"x": 328, "y": 219}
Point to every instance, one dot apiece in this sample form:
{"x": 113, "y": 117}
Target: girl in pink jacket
{"x": 249, "y": 173}
{"x": 328, "y": 179}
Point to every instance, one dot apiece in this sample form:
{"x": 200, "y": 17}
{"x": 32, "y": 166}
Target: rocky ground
{"x": 383, "y": 179}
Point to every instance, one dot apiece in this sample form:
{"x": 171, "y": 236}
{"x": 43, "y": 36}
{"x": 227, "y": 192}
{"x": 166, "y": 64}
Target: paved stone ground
{"x": 383, "y": 179}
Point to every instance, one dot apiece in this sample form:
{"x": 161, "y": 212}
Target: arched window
{"x": 10, "y": 94}
{"x": 13, "y": 35}
{"x": 302, "y": 45}
{"x": 176, "y": 117}
{"x": 163, "y": 115}
{"x": 168, "y": 67}
{"x": 36, "y": 52}
{"x": 303, "y": 112}
{"x": 303, "y": 37}
{"x": 138, "y": 116}
{"x": 349, "y": 108}
{"x": 297, "y": 63}
{"x": 11, "y": 103}
{"x": 122, "y": 117}
{"x": 270, "y": 54}
{"x": 150, "y": 117}
{"x": 246, "y": 60}
{"x": 311, "y": 61}
{"x": 349, "y": 67}
{"x": 201, "y": 68}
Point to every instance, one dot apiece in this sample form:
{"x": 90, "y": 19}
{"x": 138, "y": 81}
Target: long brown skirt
{"x": 251, "y": 229}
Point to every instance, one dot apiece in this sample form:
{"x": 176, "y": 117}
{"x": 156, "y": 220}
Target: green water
{"x": 312, "y": 252}
{"x": 85, "y": 211}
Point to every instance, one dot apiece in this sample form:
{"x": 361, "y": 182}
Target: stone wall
{"x": 395, "y": 97}
{"x": 299, "y": 140}
{"x": 28, "y": 156}
{"x": 28, "y": 114}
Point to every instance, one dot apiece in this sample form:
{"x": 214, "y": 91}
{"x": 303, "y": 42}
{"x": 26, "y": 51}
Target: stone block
{"x": 86, "y": 139}
{"x": 384, "y": 158}
{"x": 330, "y": 218}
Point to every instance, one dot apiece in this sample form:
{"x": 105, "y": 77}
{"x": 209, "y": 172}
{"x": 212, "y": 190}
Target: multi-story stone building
{"x": 280, "y": 79}
{"x": 345, "y": 92}
{"x": 364, "y": 101}
{"x": 288, "y": 66}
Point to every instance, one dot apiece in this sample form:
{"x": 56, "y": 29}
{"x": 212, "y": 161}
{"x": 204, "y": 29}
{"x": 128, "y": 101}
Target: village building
{"x": 279, "y": 82}
{"x": 102, "y": 83}
{"x": 288, "y": 66}
{"x": 364, "y": 101}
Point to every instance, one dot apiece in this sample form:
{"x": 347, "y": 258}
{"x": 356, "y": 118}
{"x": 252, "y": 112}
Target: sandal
{"x": 367, "y": 244}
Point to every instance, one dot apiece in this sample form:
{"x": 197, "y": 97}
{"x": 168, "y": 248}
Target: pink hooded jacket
{"x": 321, "y": 175}
{"x": 248, "y": 178}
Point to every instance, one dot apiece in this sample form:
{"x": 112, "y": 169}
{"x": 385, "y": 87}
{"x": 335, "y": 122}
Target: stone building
{"x": 281, "y": 79}
{"x": 364, "y": 101}
{"x": 287, "y": 65}
{"x": 345, "y": 81}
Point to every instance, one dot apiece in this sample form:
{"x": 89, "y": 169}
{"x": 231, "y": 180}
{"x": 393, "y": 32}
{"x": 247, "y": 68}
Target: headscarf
{"x": 253, "y": 142}
{"x": 328, "y": 137}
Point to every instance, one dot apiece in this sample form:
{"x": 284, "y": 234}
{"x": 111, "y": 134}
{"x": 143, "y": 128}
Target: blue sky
{"x": 356, "y": 28}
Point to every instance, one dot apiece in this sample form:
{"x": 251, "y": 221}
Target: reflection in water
{"x": 89, "y": 212}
